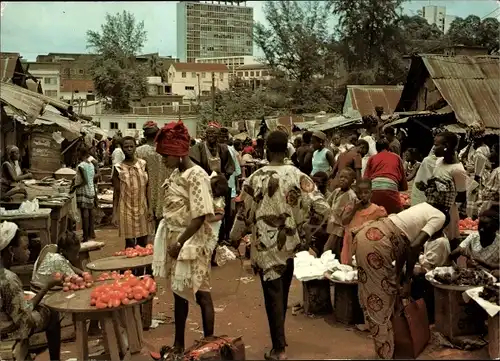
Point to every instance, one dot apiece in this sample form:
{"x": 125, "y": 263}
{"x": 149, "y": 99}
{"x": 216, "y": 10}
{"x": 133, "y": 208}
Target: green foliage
{"x": 115, "y": 73}
{"x": 472, "y": 31}
{"x": 419, "y": 36}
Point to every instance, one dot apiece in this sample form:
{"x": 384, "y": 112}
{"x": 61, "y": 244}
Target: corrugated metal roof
{"x": 470, "y": 85}
{"x": 8, "y": 63}
{"x": 81, "y": 85}
{"x": 364, "y": 98}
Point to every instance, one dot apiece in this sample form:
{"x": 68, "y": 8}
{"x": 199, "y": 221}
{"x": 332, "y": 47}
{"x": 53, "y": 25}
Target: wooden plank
{"x": 110, "y": 338}
{"x": 134, "y": 338}
{"x": 494, "y": 337}
{"x": 122, "y": 344}
{"x": 82, "y": 349}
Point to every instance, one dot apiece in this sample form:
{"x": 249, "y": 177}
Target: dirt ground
{"x": 240, "y": 311}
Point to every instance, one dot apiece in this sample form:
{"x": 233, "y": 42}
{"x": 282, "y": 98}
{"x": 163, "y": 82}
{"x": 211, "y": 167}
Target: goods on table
{"x": 491, "y": 293}
{"x": 75, "y": 282}
{"x": 405, "y": 199}
{"x": 464, "y": 277}
{"x": 112, "y": 276}
{"x": 122, "y": 291}
{"x": 137, "y": 251}
{"x": 468, "y": 224}
{"x": 307, "y": 267}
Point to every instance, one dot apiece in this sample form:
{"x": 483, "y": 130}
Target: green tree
{"x": 116, "y": 74}
{"x": 418, "y": 35}
{"x": 297, "y": 46}
{"x": 370, "y": 39}
{"x": 472, "y": 31}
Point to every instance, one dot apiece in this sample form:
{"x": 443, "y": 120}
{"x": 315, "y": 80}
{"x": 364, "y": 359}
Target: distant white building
{"x": 191, "y": 80}
{"x": 48, "y": 75}
{"x": 437, "y": 15}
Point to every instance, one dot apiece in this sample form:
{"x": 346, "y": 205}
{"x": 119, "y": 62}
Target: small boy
{"x": 319, "y": 236}
{"x": 220, "y": 187}
{"x": 436, "y": 252}
{"x": 339, "y": 200}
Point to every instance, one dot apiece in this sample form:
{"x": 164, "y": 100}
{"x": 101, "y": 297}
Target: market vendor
{"x": 482, "y": 248}
{"x": 397, "y": 238}
{"x": 19, "y": 318}
{"x": 12, "y": 174}
{"x": 64, "y": 260}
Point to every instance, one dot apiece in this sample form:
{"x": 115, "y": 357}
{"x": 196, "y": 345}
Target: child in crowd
{"x": 339, "y": 199}
{"x": 436, "y": 252}
{"x": 359, "y": 213}
{"x": 220, "y": 187}
{"x": 319, "y": 236}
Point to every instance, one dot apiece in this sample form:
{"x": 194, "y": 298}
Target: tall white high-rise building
{"x": 435, "y": 15}
{"x": 213, "y": 29}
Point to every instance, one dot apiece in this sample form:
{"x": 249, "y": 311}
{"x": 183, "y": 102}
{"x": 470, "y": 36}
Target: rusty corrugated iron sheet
{"x": 470, "y": 85}
{"x": 8, "y": 63}
{"x": 364, "y": 98}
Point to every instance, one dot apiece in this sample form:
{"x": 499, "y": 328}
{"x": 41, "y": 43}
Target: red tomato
{"x": 149, "y": 246}
{"x": 152, "y": 289}
{"x": 92, "y": 301}
{"x": 88, "y": 284}
{"x": 116, "y": 302}
{"x": 65, "y": 288}
{"x": 145, "y": 293}
{"x": 74, "y": 287}
{"x": 100, "y": 304}
{"x": 130, "y": 295}
{"x": 82, "y": 287}
{"x": 125, "y": 301}
{"x": 105, "y": 298}
{"x": 67, "y": 279}
{"x": 138, "y": 296}
{"x": 74, "y": 278}
{"x": 110, "y": 304}
{"x": 58, "y": 276}
{"x": 127, "y": 272}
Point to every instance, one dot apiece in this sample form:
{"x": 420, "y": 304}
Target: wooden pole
{"x": 199, "y": 88}
{"x": 213, "y": 97}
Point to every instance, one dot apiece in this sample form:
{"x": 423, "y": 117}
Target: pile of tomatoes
{"x": 137, "y": 251}
{"x": 468, "y": 224}
{"x": 404, "y": 199}
{"x": 111, "y": 276}
{"x": 122, "y": 291}
{"x": 75, "y": 282}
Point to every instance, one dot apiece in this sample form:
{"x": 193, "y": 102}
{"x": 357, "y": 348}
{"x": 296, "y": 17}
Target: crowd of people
{"x": 312, "y": 192}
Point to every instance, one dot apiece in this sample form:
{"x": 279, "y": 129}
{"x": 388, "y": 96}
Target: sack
{"x": 216, "y": 348}
{"x": 411, "y": 330}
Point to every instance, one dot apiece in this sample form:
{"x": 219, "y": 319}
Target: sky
{"x": 32, "y": 28}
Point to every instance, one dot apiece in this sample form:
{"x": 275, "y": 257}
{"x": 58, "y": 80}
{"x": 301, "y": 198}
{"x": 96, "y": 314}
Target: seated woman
{"x": 483, "y": 248}
{"x": 62, "y": 261}
{"x": 21, "y": 318}
{"x": 12, "y": 174}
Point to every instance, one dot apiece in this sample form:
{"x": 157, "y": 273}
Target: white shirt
{"x": 291, "y": 150}
{"x": 420, "y": 218}
{"x": 372, "y": 150}
{"x": 436, "y": 253}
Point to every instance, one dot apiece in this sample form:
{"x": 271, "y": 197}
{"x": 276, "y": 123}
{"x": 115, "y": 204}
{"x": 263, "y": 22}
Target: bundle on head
{"x": 173, "y": 139}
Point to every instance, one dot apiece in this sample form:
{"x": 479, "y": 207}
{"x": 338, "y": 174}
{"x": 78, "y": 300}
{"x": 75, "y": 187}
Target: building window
{"x": 98, "y": 124}
{"x": 80, "y": 71}
{"x": 240, "y": 73}
{"x": 189, "y": 88}
{"x": 77, "y": 91}
{"x": 203, "y": 75}
{"x": 257, "y": 73}
{"x": 205, "y": 92}
{"x": 51, "y": 93}
{"x": 251, "y": 73}
{"x": 183, "y": 74}
{"x": 132, "y": 126}
{"x": 50, "y": 81}
{"x": 91, "y": 97}
{"x": 193, "y": 75}
{"x": 113, "y": 125}
{"x": 221, "y": 76}
{"x": 265, "y": 73}
{"x": 246, "y": 73}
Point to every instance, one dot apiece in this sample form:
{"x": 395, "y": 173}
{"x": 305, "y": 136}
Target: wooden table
{"x": 59, "y": 215}
{"x": 77, "y": 303}
{"x": 346, "y": 307}
{"x": 85, "y": 249}
{"x": 33, "y": 222}
{"x": 119, "y": 263}
{"x": 122, "y": 263}
{"x": 453, "y": 316}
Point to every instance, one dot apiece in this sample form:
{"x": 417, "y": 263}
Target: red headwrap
{"x": 173, "y": 139}
{"x": 214, "y": 125}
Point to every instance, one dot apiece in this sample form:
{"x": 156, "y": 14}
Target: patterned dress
{"x": 133, "y": 206}
{"x": 277, "y": 202}
{"x": 157, "y": 173}
{"x": 187, "y": 196}
{"x": 18, "y": 319}
{"x": 376, "y": 245}
{"x": 85, "y": 195}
